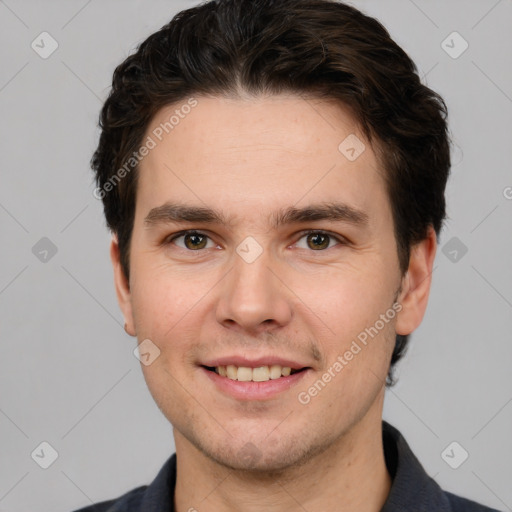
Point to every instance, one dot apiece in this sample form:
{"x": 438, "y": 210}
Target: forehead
{"x": 254, "y": 154}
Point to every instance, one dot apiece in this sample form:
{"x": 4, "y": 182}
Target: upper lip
{"x": 254, "y": 363}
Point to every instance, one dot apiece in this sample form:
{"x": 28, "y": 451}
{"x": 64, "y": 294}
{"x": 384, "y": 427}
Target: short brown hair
{"x": 322, "y": 48}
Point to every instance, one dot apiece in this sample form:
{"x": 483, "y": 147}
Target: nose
{"x": 253, "y": 296}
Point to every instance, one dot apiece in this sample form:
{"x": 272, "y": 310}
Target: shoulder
{"x": 459, "y": 504}
{"x": 412, "y": 487}
{"x": 155, "y": 497}
{"x": 126, "y": 503}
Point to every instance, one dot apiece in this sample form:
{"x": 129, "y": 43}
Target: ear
{"x": 122, "y": 287}
{"x": 416, "y": 284}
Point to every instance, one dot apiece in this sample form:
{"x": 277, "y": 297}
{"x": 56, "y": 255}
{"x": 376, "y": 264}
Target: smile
{"x": 248, "y": 374}
{"x": 253, "y": 383}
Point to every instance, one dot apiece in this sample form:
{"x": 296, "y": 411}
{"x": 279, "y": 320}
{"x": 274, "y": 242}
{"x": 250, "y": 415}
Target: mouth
{"x": 260, "y": 383}
{"x": 254, "y": 374}
{"x": 267, "y": 377}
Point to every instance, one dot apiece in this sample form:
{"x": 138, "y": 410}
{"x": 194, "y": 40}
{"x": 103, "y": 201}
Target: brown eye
{"x": 195, "y": 241}
{"x": 192, "y": 241}
{"x": 318, "y": 241}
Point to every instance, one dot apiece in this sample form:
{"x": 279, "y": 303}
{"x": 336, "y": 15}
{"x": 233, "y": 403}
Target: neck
{"x": 350, "y": 475}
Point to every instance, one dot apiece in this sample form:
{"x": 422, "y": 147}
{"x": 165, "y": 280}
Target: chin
{"x": 251, "y": 460}
{"x": 262, "y": 458}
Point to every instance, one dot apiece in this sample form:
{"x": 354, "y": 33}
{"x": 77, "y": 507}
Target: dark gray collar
{"x": 412, "y": 488}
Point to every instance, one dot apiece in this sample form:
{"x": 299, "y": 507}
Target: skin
{"x": 249, "y": 157}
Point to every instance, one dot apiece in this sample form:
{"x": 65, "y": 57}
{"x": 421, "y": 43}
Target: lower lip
{"x": 254, "y": 390}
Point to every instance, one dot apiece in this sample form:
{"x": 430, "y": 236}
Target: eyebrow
{"x": 332, "y": 211}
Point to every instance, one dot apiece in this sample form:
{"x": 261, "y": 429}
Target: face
{"x": 258, "y": 243}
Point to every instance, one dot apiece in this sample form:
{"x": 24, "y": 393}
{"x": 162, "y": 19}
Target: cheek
{"x": 359, "y": 364}
{"x": 164, "y": 309}
{"x": 356, "y": 306}
{"x": 163, "y": 296}
{"x": 349, "y": 298}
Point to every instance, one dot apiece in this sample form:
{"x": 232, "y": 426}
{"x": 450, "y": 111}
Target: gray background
{"x": 68, "y": 375}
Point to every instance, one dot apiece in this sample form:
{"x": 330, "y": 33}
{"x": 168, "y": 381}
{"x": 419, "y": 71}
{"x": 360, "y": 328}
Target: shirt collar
{"x": 412, "y": 488}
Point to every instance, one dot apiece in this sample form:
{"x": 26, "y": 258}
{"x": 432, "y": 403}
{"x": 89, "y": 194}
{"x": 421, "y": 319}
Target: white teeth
{"x": 275, "y": 371}
{"x": 246, "y": 374}
{"x": 231, "y": 371}
{"x": 260, "y": 374}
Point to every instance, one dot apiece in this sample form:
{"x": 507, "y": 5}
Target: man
{"x": 273, "y": 174}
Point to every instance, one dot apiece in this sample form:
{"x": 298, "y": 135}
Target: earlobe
{"x": 122, "y": 286}
{"x": 416, "y": 284}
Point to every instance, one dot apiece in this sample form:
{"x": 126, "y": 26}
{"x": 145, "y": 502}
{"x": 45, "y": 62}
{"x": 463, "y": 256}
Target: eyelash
{"x": 339, "y": 239}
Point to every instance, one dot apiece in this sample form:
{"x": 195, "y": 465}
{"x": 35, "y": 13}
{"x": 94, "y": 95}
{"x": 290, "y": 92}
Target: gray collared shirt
{"x": 412, "y": 489}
